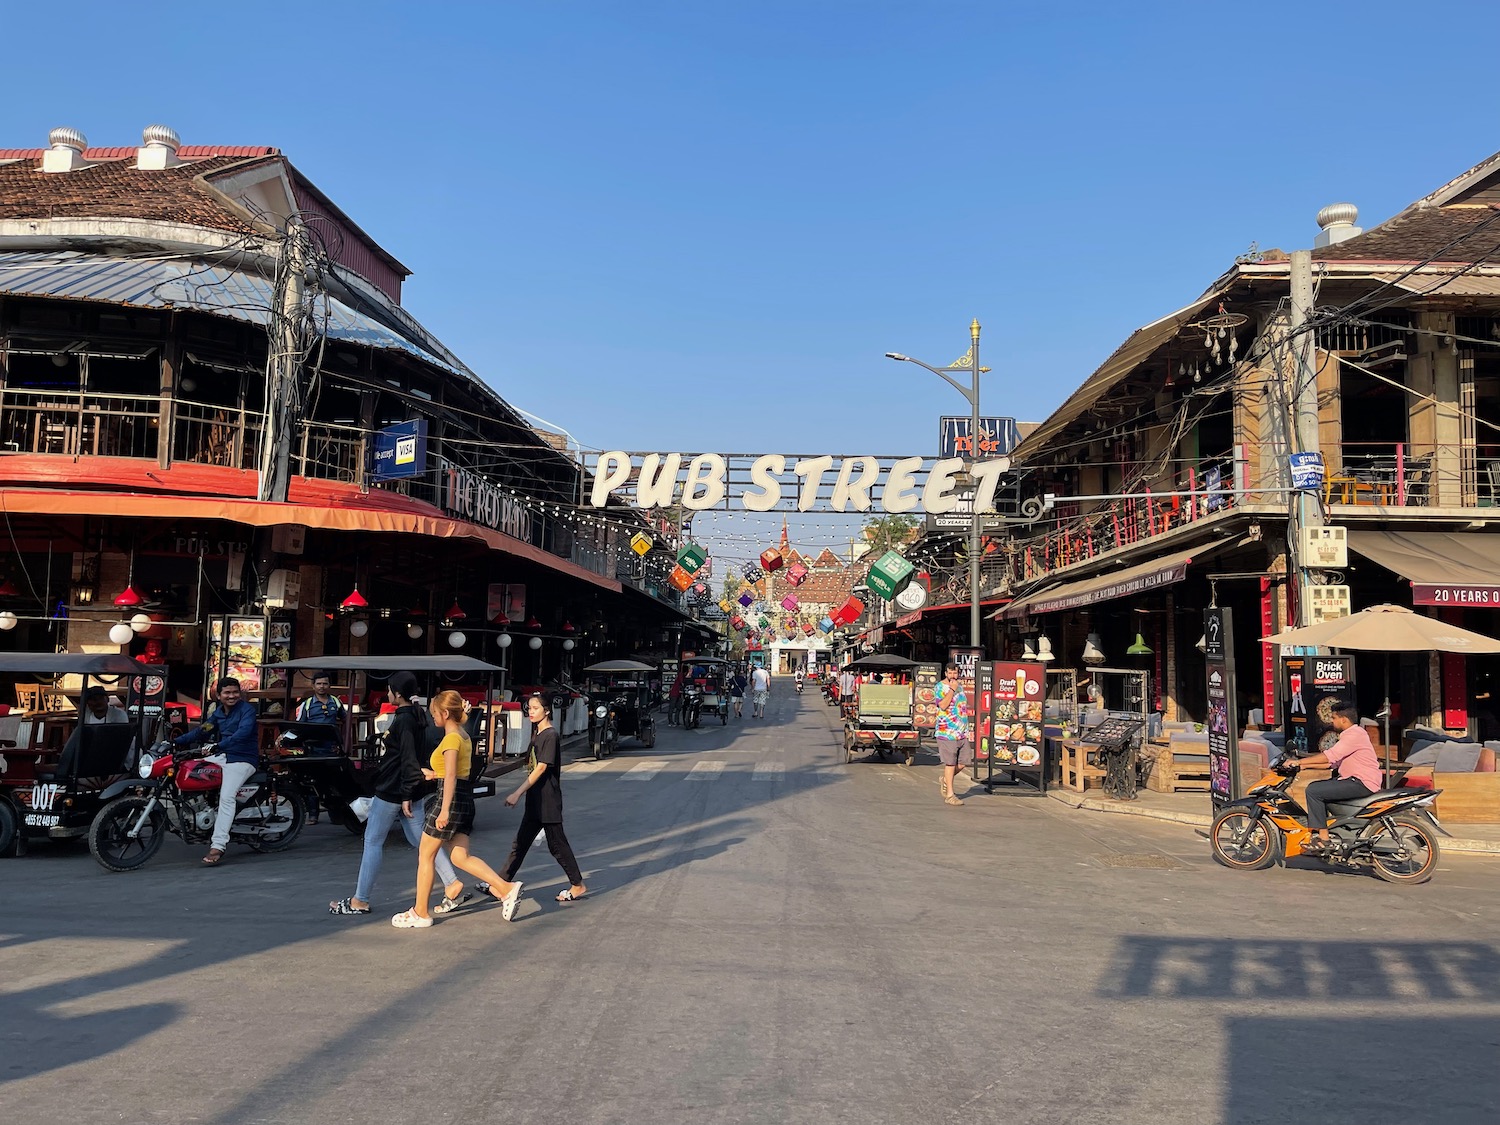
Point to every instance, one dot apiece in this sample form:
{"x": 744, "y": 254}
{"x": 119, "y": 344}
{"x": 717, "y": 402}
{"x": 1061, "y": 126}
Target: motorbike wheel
{"x": 7, "y": 828}
{"x": 611, "y": 741}
{"x": 1260, "y": 848}
{"x": 599, "y": 750}
{"x": 724, "y": 717}
{"x": 1416, "y": 837}
{"x": 289, "y": 806}
{"x": 108, "y": 842}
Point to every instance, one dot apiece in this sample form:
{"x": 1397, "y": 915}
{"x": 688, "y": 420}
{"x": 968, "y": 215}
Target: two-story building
{"x": 1169, "y": 465}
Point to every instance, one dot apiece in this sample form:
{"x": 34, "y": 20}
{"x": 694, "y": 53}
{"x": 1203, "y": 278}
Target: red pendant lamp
{"x": 568, "y": 628}
{"x": 128, "y": 598}
{"x": 355, "y": 600}
{"x": 456, "y": 611}
{"x": 533, "y": 624}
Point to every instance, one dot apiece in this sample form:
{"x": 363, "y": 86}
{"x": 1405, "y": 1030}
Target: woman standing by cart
{"x": 450, "y": 814}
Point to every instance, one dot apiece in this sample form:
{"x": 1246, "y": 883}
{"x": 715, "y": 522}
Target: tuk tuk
{"x": 336, "y": 762}
{"x": 706, "y": 691}
{"x": 57, "y": 764}
{"x": 620, "y": 700}
{"x": 882, "y": 714}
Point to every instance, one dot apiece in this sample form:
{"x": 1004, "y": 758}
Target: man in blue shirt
{"x": 232, "y": 724}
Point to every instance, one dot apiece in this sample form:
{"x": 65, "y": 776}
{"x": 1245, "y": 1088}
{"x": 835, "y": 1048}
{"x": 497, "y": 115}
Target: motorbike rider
{"x": 398, "y": 785}
{"x": 231, "y": 723}
{"x": 1353, "y": 757}
{"x": 799, "y": 677}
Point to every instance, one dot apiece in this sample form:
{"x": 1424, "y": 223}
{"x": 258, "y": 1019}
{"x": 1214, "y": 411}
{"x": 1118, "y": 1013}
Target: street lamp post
{"x": 968, "y": 364}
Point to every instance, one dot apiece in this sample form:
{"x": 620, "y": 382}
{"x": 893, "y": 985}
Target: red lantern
{"x": 770, "y": 559}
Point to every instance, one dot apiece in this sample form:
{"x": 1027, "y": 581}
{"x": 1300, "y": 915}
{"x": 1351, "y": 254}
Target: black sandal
{"x": 346, "y": 906}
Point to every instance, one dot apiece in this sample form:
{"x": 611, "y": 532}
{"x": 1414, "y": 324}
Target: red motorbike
{"x": 178, "y": 792}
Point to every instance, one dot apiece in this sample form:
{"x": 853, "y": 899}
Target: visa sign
{"x": 401, "y": 450}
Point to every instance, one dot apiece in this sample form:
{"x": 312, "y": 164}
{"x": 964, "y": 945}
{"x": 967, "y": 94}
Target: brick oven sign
{"x": 401, "y": 450}
{"x": 1422, "y": 594}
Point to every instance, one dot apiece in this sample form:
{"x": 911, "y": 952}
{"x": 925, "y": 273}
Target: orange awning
{"x": 255, "y": 513}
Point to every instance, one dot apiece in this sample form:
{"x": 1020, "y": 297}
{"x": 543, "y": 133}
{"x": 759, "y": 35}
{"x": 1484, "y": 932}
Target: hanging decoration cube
{"x": 707, "y": 569}
{"x": 691, "y": 558}
{"x": 827, "y": 625}
{"x": 753, "y": 573}
{"x": 790, "y": 603}
{"x": 849, "y": 611}
{"x": 747, "y": 599}
{"x": 763, "y": 622}
{"x": 795, "y": 575}
{"x": 808, "y": 628}
{"x": 737, "y": 621}
{"x": 640, "y": 542}
{"x": 680, "y": 578}
{"x": 727, "y": 606}
{"x": 770, "y": 559}
{"x": 890, "y": 575}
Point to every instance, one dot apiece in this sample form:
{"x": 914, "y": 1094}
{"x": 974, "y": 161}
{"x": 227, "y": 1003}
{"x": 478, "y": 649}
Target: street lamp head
{"x": 974, "y": 328}
{"x": 896, "y": 356}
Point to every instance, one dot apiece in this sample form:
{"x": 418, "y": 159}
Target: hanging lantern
{"x": 770, "y": 559}
{"x": 726, "y": 605}
{"x": 680, "y": 579}
{"x": 700, "y": 589}
{"x": 753, "y": 573}
{"x": 808, "y": 628}
{"x": 737, "y": 621}
{"x": 890, "y": 575}
{"x": 826, "y": 624}
{"x": 764, "y": 622}
{"x": 795, "y": 575}
{"x": 790, "y": 603}
{"x": 691, "y": 558}
{"x": 747, "y": 599}
{"x": 640, "y": 542}
{"x": 354, "y": 601}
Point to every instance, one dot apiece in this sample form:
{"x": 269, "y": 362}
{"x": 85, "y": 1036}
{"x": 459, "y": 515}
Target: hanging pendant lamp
{"x": 456, "y": 611}
{"x": 354, "y": 601}
{"x": 6, "y": 589}
{"x": 1092, "y": 652}
{"x": 129, "y": 598}
{"x": 1140, "y": 648}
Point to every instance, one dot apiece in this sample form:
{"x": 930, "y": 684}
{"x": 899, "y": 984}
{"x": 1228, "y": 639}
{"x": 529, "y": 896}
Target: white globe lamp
{"x": 8, "y": 620}
{"x": 503, "y": 640}
{"x": 120, "y": 633}
{"x": 456, "y": 640}
{"x": 358, "y": 628}
{"x": 414, "y": 631}
{"x": 535, "y": 643}
{"x": 140, "y": 623}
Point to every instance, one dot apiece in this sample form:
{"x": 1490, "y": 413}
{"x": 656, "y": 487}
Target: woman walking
{"x": 399, "y": 786}
{"x": 543, "y": 792}
{"x": 450, "y": 815}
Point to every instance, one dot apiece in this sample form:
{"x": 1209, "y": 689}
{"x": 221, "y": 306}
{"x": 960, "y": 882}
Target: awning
{"x": 1136, "y": 579}
{"x": 1458, "y": 568}
{"x": 1136, "y": 348}
{"x": 255, "y": 513}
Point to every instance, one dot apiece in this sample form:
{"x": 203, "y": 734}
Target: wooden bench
{"x": 1174, "y": 770}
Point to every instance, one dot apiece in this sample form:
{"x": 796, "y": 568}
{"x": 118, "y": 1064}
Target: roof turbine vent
{"x": 1336, "y": 223}
{"x": 159, "y": 144}
{"x": 66, "y": 153}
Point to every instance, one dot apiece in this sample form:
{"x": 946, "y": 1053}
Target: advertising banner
{"x": 1312, "y": 684}
{"x": 401, "y": 450}
{"x": 1225, "y": 783}
{"x": 1015, "y": 714}
{"x": 996, "y": 436}
{"x": 926, "y": 680}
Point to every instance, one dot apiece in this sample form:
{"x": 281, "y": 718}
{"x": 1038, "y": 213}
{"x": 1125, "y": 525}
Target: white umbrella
{"x": 1387, "y": 628}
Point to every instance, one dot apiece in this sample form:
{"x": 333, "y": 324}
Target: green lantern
{"x": 890, "y": 575}
{"x": 691, "y": 558}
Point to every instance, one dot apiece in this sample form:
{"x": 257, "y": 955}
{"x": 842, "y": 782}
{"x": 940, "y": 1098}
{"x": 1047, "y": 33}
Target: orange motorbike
{"x": 1393, "y": 831}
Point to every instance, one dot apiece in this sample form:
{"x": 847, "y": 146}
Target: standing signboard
{"x": 926, "y": 679}
{"x": 1016, "y": 711}
{"x": 967, "y": 661}
{"x": 1225, "y": 784}
{"x": 1312, "y": 684}
{"x": 984, "y": 685}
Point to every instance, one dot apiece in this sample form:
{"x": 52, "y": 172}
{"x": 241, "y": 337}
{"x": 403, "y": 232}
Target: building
{"x": 217, "y": 419}
{"x": 1170, "y": 464}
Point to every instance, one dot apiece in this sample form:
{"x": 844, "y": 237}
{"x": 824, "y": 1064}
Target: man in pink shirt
{"x": 1353, "y": 757}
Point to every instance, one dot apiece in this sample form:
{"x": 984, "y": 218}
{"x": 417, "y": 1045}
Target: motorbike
{"x": 1393, "y": 831}
{"x": 690, "y": 709}
{"x": 178, "y": 792}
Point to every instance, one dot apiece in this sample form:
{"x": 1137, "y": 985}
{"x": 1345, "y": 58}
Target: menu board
{"x": 1224, "y": 781}
{"x": 1016, "y": 709}
{"x": 926, "y": 681}
{"x": 238, "y": 646}
{"x": 148, "y": 692}
{"x": 986, "y": 677}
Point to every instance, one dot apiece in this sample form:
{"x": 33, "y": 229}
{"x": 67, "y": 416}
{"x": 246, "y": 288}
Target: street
{"x": 770, "y": 936}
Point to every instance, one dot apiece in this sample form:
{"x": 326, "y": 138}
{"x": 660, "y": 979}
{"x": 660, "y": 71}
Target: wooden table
{"x": 1077, "y": 770}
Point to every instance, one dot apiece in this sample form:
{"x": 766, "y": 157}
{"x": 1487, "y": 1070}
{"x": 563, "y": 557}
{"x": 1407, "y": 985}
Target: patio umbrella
{"x": 1387, "y": 628}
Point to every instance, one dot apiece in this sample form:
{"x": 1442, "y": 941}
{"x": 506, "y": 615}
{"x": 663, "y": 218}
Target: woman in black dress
{"x": 543, "y": 791}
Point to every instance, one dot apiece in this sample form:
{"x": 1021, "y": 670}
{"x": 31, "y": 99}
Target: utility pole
{"x": 974, "y": 516}
{"x": 282, "y": 369}
{"x": 1305, "y": 511}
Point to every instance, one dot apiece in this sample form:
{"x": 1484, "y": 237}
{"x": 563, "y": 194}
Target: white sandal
{"x": 410, "y": 920}
{"x": 509, "y": 903}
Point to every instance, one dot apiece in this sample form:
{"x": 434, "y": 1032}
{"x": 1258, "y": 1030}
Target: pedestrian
{"x": 760, "y": 686}
{"x": 674, "y": 698}
{"x": 544, "y": 809}
{"x": 399, "y": 789}
{"x": 737, "y": 685}
{"x": 450, "y": 814}
{"x": 953, "y": 730}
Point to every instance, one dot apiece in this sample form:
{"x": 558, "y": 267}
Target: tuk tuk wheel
{"x": 848, "y": 748}
{"x": 648, "y": 734}
{"x": 7, "y": 828}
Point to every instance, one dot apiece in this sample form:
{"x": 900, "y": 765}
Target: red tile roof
{"x": 116, "y": 189}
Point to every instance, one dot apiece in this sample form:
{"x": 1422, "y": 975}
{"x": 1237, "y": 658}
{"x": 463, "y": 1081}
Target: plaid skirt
{"x": 460, "y": 812}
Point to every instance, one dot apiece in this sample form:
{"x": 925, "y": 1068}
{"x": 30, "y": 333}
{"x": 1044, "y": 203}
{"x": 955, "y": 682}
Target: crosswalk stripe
{"x": 584, "y": 769}
{"x": 706, "y": 771}
{"x": 767, "y": 771}
{"x": 645, "y": 771}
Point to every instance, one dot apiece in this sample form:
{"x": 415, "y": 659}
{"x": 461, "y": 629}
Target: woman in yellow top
{"x": 450, "y": 813}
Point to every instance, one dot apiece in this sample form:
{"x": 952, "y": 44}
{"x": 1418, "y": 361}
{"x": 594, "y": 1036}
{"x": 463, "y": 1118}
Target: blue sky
{"x": 700, "y": 225}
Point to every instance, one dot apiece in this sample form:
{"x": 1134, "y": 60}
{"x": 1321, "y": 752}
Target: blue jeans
{"x": 377, "y": 828}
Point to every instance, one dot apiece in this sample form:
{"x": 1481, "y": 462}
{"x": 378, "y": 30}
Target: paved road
{"x": 772, "y": 937}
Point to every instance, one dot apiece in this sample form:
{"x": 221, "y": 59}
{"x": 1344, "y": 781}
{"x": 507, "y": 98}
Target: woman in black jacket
{"x": 399, "y": 783}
